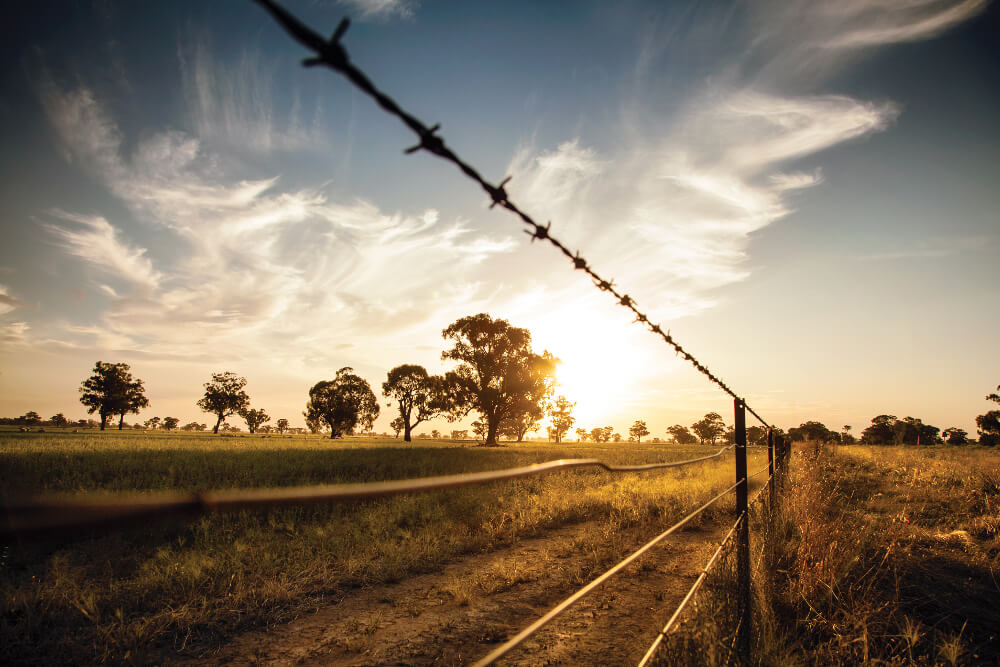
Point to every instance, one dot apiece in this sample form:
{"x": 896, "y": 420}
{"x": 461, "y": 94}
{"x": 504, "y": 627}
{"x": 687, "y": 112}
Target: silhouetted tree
{"x": 31, "y": 418}
{"x": 397, "y": 425}
{"x": 343, "y": 403}
{"x": 601, "y": 434}
{"x": 112, "y": 391}
{"x": 681, "y": 435}
{"x": 988, "y": 425}
{"x": 459, "y": 435}
{"x": 638, "y": 430}
{"x": 709, "y": 427}
{"x": 170, "y": 423}
{"x": 194, "y": 426}
{"x": 436, "y": 434}
{"x": 224, "y": 396}
{"x": 756, "y": 435}
{"x": 59, "y": 420}
{"x": 152, "y": 423}
{"x": 254, "y": 418}
{"x": 498, "y": 374}
{"x": 419, "y": 396}
{"x": 956, "y": 436}
{"x": 813, "y": 431}
{"x": 581, "y": 434}
{"x": 561, "y": 415}
{"x": 281, "y": 425}
{"x": 881, "y": 431}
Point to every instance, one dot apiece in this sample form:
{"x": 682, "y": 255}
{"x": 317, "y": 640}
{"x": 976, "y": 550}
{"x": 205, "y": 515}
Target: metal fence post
{"x": 772, "y": 501}
{"x": 743, "y": 536}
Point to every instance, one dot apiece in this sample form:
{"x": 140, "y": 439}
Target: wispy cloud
{"x": 382, "y": 8}
{"x": 7, "y": 301}
{"x": 928, "y": 249}
{"x": 96, "y": 241}
{"x": 251, "y": 265}
{"x": 233, "y": 104}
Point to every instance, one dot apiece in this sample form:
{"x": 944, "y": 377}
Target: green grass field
{"x": 167, "y": 588}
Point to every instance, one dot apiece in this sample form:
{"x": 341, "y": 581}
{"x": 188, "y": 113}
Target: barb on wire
{"x": 518, "y": 639}
{"x": 62, "y": 513}
{"x": 332, "y": 54}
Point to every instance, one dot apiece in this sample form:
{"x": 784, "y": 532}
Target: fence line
{"x": 53, "y": 514}
{"x": 515, "y": 641}
{"x": 332, "y": 54}
{"x": 702, "y": 576}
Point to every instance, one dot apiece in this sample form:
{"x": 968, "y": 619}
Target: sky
{"x": 802, "y": 192}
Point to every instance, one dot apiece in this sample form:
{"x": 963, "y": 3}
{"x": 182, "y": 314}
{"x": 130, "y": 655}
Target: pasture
{"x": 172, "y": 589}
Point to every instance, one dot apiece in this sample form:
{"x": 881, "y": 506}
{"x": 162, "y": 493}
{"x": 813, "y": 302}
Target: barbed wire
{"x": 93, "y": 510}
{"x": 330, "y": 52}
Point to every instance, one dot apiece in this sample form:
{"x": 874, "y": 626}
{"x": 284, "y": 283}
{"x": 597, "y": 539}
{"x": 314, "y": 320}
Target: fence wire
{"x": 331, "y": 52}
{"x": 518, "y": 639}
{"x": 93, "y": 510}
{"x": 702, "y": 576}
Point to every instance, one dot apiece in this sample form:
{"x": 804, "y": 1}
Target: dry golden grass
{"x": 173, "y": 588}
{"x": 886, "y": 556}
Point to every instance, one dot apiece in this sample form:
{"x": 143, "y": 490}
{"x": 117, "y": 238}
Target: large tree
{"x": 709, "y": 427}
{"x": 529, "y": 410}
{"x": 282, "y": 425}
{"x": 254, "y": 418}
{"x": 419, "y": 396}
{"x": 988, "y": 425}
{"x": 224, "y": 397}
{"x": 170, "y": 423}
{"x": 814, "y": 431}
{"x": 681, "y": 435}
{"x": 561, "y": 416}
{"x": 111, "y": 390}
{"x": 638, "y": 430}
{"x": 498, "y": 374}
{"x": 342, "y": 403}
{"x": 880, "y": 432}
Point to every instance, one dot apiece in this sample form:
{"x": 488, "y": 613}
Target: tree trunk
{"x": 218, "y": 421}
{"x": 492, "y": 426}
{"x": 406, "y": 431}
{"x": 121, "y": 421}
{"x": 104, "y": 420}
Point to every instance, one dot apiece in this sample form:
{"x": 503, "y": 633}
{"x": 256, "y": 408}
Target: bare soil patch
{"x": 460, "y": 613}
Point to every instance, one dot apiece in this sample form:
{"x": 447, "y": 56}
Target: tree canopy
{"x": 224, "y": 396}
{"x": 111, "y": 390}
{"x": 498, "y": 375}
{"x": 681, "y": 435}
{"x": 561, "y": 416}
{"x": 254, "y": 419}
{"x": 342, "y": 404}
{"x": 638, "y": 430}
{"x": 709, "y": 428}
{"x": 419, "y": 396}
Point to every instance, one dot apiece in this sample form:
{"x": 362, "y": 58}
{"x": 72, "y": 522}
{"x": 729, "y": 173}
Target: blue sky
{"x": 803, "y": 192}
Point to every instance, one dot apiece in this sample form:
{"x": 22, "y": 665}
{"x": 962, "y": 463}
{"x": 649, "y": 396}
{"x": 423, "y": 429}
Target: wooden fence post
{"x": 743, "y": 535}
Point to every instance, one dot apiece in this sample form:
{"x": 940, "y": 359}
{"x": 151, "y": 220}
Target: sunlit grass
{"x": 133, "y": 595}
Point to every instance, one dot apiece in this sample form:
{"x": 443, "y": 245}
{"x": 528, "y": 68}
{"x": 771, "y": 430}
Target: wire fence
{"x": 61, "y": 514}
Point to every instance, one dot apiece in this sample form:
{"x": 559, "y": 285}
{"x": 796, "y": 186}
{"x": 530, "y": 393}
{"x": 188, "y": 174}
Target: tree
{"x": 112, "y": 391}
{"x": 681, "y": 435}
{"x": 956, "y": 436}
{"x": 601, "y": 434}
{"x": 880, "y": 432}
{"x": 459, "y": 435}
{"x": 31, "y": 418}
{"x": 561, "y": 416}
{"x": 419, "y": 396}
{"x": 343, "y": 403}
{"x": 397, "y": 425}
{"x": 436, "y": 434}
{"x": 480, "y": 429}
{"x": 224, "y": 396}
{"x": 988, "y": 426}
{"x": 709, "y": 428}
{"x": 254, "y": 418}
{"x": 581, "y": 434}
{"x": 281, "y": 425}
{"x": 529, "y": 410}
{"x": 170, "y": 423}
{"x": 813, "y": 431}
{"x": 59, "y": 420}
{"x": 756, "y": 435}
{"x": 638, "y": 429}
{"x": 152, "y": 423}
{"x": 194, "y": 426}
{"x": 498, "y": 374}
{"x": 617, "y": 437}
